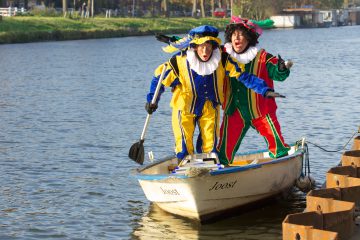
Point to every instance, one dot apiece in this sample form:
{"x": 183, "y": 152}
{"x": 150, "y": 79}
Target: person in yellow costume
{"x": 196, "y": 76}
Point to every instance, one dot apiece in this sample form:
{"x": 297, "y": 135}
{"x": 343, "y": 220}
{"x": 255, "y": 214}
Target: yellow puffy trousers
{"x": 184, "y": 127}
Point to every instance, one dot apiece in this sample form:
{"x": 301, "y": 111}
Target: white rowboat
{"x": 203, "y": 189}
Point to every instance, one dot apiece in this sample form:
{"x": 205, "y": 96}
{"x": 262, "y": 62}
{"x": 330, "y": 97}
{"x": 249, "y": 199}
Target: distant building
{"x": 354, "y": 16}
{"x": 308, "y": 17}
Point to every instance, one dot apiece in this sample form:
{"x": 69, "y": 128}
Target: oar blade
{"x": 136, "y": 152}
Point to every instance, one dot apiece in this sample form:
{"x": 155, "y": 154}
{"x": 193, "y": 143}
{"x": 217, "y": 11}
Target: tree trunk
{"x": 64, "y": 6}
{"x": 212, "y": 7}
{"x": 88, "y": 9}
{"x": 194, "y": 10}
{"x": 133, "y": 8}
{"x": 166, "y": 12}
{"x": 92, "y": 8}
{"x": 202, "y": 8}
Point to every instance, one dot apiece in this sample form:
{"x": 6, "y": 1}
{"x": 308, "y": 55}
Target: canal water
{"x": 69, "y": 111}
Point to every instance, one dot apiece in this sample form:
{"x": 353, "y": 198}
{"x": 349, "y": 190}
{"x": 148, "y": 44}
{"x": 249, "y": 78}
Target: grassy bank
{"x": 34, "y": 29}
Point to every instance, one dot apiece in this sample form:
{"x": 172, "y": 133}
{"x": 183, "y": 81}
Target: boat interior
{"x": 171, "y": 165}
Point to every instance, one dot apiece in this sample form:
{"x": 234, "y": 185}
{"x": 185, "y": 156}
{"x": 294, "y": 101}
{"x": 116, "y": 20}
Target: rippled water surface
{"x": 69, "y": 112}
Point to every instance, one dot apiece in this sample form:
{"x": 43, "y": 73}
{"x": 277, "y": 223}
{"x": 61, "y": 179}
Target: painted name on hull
{"x": 169, "y": 191}
{"x": 221, "y": 186}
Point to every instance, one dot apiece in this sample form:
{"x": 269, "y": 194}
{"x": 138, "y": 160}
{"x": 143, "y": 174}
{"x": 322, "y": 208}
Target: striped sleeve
{"x": 249, "y": 80}
{"x": 273, "y": 70}
{"x": 168, "y": 80}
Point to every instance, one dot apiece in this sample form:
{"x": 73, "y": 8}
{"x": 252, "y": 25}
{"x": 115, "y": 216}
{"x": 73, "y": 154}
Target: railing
{"x": 11, "y": 11}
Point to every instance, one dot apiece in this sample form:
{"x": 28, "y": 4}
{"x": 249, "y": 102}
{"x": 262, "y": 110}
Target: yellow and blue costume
{"x": 198, "y": 91}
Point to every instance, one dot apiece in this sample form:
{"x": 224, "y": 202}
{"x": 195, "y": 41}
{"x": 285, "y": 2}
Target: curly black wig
{"x": 250, "y": 36}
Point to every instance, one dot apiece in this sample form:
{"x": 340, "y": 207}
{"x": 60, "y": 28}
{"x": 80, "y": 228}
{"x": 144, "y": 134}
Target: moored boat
{"x": 201, "y": 188}
{"x": 264, "y": 24}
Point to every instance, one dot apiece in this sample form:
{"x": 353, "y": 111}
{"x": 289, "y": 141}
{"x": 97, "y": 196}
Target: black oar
{"x": 136, "y": 151}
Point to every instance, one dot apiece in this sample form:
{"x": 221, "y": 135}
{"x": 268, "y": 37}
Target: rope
{"x": 322, "y": 148}
{"x": 306, "y": 158}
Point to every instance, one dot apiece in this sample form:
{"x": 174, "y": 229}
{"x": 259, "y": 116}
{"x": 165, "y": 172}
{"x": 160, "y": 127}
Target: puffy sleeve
{"x": 273, "y": 70}
{"x": 236, "y": 69}
{"x": 170, "y": 80}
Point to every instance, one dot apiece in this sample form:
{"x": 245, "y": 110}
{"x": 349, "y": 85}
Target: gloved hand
{"x": 281, "y": 64}
{"x": 272, "y": 94}
{"x": 162, "y": 38}
{"x": 165, "y": 39}
{"x": 150, "y": 108}
{"x": 289, "y": 64}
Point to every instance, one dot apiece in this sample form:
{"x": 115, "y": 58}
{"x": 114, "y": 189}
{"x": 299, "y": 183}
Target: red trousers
{"x": 234, "y": 128}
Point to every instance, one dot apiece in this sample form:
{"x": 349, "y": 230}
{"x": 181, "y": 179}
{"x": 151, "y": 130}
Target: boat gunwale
{"x": 257, "y": 165}
{"x": 153, "y": 177}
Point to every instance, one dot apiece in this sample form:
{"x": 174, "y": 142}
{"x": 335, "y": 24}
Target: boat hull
{"x": 206, "y": 196}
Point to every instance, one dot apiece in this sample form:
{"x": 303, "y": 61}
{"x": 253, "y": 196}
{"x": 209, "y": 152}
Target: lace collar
{"x": 203, "y": 68}
{"x": 245, "y": 57}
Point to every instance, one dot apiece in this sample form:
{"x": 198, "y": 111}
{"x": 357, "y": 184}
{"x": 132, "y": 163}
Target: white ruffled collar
{"x": 203, "y": 68}
{"x": 245, "y": 57}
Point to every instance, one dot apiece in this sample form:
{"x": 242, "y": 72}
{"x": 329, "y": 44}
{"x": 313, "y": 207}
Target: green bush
{"x": 46, "y": 12}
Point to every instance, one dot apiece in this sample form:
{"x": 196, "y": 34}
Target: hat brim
{"x": 202, "y": 40}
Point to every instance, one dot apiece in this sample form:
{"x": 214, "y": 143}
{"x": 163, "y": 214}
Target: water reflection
{"x": 262, "y": 223}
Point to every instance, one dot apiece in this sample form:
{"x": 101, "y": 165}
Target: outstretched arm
{"x": 236, "y": 69}
{"x": 277, "y": 68}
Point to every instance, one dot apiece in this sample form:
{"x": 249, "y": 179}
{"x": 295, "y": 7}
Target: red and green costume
{"x": 243, "y": 108}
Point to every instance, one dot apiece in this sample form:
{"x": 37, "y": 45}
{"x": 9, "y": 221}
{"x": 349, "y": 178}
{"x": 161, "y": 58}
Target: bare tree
{"x": 166, "y": 12}
{"x": 92, "y": 8}
{"x": 133, "y": 8}
{"x": 202, "y": 8}
{"x": 88, "y": 8}
{"x": 193, "y": 13}
{"x": 64, "y": 6}
{"x": 212, "y": 7}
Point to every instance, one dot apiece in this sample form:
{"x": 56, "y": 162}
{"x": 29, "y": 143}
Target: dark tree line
{"x": 197, "y": 8}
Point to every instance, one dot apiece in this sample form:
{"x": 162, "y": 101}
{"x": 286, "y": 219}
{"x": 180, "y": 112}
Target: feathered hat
{"x": 252, "y": 30}
{"x": 252, "y": 27}
{"x": 196, "y": 36}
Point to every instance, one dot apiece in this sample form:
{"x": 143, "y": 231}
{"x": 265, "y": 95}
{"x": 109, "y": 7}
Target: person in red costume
{"x": 243, "y": 108}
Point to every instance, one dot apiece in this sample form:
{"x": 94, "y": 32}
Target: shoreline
{"x": 40, "y": 29}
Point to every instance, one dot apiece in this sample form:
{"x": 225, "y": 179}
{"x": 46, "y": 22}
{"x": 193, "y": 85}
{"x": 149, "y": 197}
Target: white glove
{"x": 289, "y": 64}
